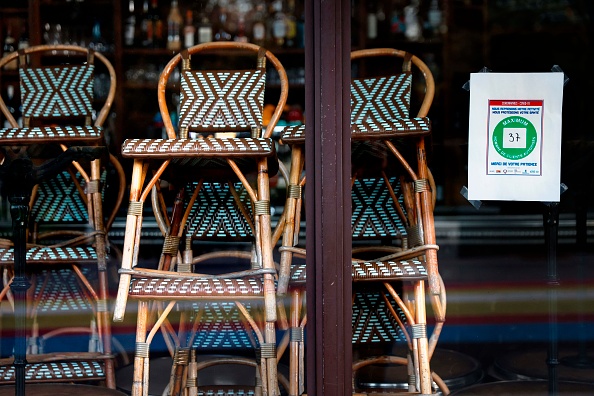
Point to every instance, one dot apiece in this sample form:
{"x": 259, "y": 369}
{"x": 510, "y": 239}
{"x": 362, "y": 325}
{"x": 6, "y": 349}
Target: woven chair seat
{"x": 293, "y": 134}
{"x": 373, "y": 270}
{"x": 80, "y": 370}
{"x": 191, "y": 288}
{"x": 207, "y": 147}
{"x": 412, "y": 269}
{"x": 53, "y": 255}
{"x": 69, "y": 133}
{"x": 226, "y": 391}
{"x": 382, "y": 129}
{"x": 298, "y": 274}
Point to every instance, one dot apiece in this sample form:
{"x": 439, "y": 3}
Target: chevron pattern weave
{"x": 61, "y": 292}
{"x": 372, "y": 321}
{"x": 216, "y": 216}
{"x": 380, "y": 99}
{"x": 222, "y": 100}
{"x": 59, "y": 200}
{"x": 374, "y": 214}
{"x": 57, "y": 91}
{"x": 221, "y": 326}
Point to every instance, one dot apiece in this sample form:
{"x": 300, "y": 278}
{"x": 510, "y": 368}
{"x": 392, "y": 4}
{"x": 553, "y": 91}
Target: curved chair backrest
{"x": 229, "y": 100}
{"x": 42, "y": 83}
{"x": 398, "y": 83}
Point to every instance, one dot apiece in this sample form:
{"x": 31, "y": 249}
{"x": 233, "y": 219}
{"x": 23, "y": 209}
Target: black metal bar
{"x": 581, "y": 360}
{"x": 19, "y": 286}
{"x": 551, "y": 223}
{"x": 18, "y": 184}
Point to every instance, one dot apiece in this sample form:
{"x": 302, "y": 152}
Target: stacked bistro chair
{"x": 394, "y": 250}
{"x": 68, "y": 333}
{"x": 210, "y": 196}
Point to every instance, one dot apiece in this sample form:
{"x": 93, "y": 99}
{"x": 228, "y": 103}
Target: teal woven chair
{"x": 216, "y": 165}
{"x": 394, "y": 249}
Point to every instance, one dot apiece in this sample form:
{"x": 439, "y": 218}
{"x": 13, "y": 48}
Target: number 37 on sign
{"x": 515, "y": 137}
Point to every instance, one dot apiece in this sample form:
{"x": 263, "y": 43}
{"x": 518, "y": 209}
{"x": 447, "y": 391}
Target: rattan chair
{"x": 57, "y": 204}
{"x": 394, "y": 250}
{"x": 216, "y": 200}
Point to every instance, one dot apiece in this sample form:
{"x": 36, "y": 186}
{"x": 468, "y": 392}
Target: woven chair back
{"x": 57, "y": 92}
{"x": 214, "y": 101}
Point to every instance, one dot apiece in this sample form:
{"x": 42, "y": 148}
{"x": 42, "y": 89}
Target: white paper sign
{"x": 514, "y": 141}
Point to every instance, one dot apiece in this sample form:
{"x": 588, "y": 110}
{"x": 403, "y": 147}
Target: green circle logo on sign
{"x": 514, "y": 137}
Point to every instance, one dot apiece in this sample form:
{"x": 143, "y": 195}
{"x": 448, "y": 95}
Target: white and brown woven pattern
{"x": 192, "y": 288}
{"x": 65, "y": 134}
{"x": 168, "y": 148}
{"x": 53, "y": 255}
{"x": 376, "y": 129}
{"x": 59, "y": 200}
{"x": 294, "y": 134}
{"x": 374, "y": 211}
{"x": 57, "y": 372}
{"x": 221, "y": 100}
{"x": 412, "y": 269}
{"x": 380, "y": 99}
{"x": 380, "y": 108}
{"x": 61, "y": 293}
{"x": 372, "y": 321}
{"x": 226, "y": 391}
{"x": 222, "y": 326}
{"x": 298, "y": 274}
{"x": 57, "y": 91}
{"x": 216, "y": 216}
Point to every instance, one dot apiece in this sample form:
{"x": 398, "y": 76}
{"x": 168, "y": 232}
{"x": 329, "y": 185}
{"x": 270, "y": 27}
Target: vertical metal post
{"x": 19, "y": 186}
{"x": 551, "y": 225}
{"x": 19, "y": 286}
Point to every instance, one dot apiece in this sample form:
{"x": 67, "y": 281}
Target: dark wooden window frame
{"x": 328, "y": 202}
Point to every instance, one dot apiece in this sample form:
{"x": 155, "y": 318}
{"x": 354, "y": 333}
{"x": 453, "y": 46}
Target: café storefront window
{"x": 477, "y": 292}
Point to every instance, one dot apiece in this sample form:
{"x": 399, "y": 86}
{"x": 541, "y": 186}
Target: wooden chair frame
{"x": 421, "y": 348}
{"x": 141, "y": 186}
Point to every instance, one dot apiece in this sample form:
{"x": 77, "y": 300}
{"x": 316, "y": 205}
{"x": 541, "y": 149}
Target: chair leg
{"x": 131, "y": 238}
{"x": 180, "y": 364}
{"x": 191, "y": 382}
{"x": 420, "y": 333}
{"x": 269, "y": 285}
{"x": 139, "y": 386}
{"x": 296, "y": 357}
